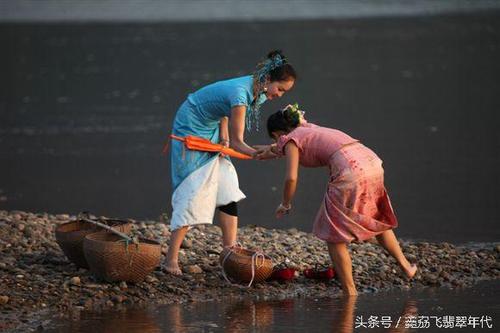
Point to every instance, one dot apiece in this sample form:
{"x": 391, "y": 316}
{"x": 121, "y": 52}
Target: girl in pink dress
{"x": 356, "y": 206}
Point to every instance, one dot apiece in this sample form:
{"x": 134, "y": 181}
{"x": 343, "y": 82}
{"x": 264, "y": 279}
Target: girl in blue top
{"x": 204, "y": 181}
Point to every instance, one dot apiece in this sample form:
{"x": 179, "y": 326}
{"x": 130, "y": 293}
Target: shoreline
{"x": 38, "y": 282}
{"x": 221, "y": 10}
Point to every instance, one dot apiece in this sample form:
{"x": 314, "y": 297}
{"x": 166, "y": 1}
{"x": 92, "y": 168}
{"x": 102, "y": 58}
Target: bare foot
{"x": 171, "y": 269}
{"x": 410, "y": 273}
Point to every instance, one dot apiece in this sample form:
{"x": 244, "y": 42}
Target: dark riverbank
{"x": 85, "y": 109}
{"x": 38, "y": 282}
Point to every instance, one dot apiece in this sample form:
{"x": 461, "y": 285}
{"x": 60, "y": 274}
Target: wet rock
{"x": 193, "y": 269}
{"x": 4, "y": 300}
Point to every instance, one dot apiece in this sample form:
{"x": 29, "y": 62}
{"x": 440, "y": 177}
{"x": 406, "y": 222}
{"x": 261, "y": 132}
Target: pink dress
{"x": 356, "y": 206}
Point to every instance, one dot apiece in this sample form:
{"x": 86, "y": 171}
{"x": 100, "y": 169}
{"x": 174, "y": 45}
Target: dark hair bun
{"x": 292, "y": 118}
{"x": 274, "y": 53}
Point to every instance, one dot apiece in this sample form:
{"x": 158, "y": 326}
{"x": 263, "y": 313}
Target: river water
{"x": 86, "y": 108}
{"x": 428, "y": 310}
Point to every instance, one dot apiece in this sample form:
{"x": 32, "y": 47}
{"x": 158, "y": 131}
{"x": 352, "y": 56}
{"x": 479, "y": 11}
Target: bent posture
{"x": 355, "y": 207}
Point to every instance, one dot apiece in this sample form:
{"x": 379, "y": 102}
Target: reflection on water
{"x": 260, "y": 316}
{"x": 127, "y": 321}
{"x": 387, "y": 312}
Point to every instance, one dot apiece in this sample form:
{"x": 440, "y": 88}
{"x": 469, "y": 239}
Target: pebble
{"x": 35, "y": 273}
{"x": 193, "y": 269}
{"x": 75, "y": 280}
{"x": 186, "y": 244}
{"x": 150, "y": 279}
{"x": 118, "y": 298}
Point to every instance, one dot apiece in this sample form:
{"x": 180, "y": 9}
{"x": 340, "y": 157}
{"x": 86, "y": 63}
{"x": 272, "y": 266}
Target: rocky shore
{"x": 37, "y": 282}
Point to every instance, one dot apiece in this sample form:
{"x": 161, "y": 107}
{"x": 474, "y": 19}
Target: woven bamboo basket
{"x": 110, "y": 257}
{"x": 237, "y": 262}
{"x": 70, "y": 237}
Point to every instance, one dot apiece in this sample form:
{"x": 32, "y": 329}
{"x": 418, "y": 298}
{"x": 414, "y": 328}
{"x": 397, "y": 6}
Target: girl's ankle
{"x": 350, "y": 291}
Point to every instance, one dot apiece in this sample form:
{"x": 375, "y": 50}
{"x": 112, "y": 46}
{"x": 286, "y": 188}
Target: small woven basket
{"x": 111, "y": 258}
{"x": 70, "y": 237}
{"x": 244, "y": 265}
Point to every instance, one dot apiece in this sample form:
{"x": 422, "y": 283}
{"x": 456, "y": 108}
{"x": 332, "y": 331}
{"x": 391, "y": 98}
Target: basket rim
{"x": 142, "y": 240}
{"x": 118, "y": 222}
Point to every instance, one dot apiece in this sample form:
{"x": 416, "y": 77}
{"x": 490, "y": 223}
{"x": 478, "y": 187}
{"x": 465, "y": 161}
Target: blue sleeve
{"x": 238, "y": 97}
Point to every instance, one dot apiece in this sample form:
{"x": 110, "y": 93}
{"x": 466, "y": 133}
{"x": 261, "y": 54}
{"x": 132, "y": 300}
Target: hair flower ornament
{"x": 293, "y": 111}
{"x": 260, "y": 76}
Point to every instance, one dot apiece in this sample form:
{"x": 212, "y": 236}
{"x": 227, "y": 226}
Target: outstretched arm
{"x": 291, "y": 176}
{"x": 237, "y": 129}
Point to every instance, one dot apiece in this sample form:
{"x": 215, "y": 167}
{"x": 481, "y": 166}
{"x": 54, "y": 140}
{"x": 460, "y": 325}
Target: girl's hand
{"x": 260, "y": 148}
{"x": 282, "y": 210}
{"x": 264, "y": 152}
{"x": 266, "y": 155}
{"x": 225, "y": 143}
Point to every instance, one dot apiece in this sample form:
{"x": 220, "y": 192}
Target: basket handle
{"x": 110, "y": 229}
{"x": 254, "y": 263}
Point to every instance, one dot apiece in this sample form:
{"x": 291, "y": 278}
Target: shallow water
{"x": 431, "y": 310}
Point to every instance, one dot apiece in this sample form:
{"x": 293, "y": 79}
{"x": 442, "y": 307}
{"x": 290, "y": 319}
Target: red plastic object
{"x": 284, "y": 274}
{"x": 319, "y": 274}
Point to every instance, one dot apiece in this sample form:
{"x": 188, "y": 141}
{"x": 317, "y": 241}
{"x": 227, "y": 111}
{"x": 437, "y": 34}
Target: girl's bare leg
{"x": 389, "y": 242}
{"x": 343, "y": 266}
{"x": 229, "y": 226}
{"x": 172, "y": 259}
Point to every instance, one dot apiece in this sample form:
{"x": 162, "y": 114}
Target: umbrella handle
{"x": 177, "y": 137}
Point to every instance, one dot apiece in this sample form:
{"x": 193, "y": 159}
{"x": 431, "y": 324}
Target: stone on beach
{"x": 35, "y": 274}
{"x": 193, "y": 269}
